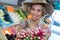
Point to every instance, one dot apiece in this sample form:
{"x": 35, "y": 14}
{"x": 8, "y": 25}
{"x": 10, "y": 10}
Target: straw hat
{"x": 48, "y": 7}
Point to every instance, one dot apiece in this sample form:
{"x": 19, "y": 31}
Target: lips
{"x": 34, "y": 16}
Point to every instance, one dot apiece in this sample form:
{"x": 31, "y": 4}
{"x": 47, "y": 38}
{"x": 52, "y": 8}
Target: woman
{"x": 37, "y": 9}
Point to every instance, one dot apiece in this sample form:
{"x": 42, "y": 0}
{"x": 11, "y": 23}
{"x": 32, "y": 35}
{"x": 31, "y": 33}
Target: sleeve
{"x": 24, "y": 24}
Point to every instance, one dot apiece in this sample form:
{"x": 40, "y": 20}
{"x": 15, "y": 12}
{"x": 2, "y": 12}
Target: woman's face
{"x": 36, "y": 12}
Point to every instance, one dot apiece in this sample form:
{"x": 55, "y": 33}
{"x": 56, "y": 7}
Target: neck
{"x": 34, "y": 23}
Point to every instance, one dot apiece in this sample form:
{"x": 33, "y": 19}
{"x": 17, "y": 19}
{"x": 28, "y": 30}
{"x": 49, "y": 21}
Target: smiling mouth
{"x": 35, "y": 16}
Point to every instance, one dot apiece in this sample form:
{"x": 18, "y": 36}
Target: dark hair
{"x": 51, "y": 2}
{"x": 10, "y": 37}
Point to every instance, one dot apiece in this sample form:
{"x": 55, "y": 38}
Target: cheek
{"x": 39, "y": 14}
{"x": 32, "y": 12}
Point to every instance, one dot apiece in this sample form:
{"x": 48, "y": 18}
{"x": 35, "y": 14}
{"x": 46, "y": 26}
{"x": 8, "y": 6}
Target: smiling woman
{"x": 38, "y": 10}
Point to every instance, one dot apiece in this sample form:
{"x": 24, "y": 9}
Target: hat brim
{"x": 48, "y": 7}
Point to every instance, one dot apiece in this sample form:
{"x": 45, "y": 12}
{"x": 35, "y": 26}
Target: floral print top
{"x": 42, "y": 25}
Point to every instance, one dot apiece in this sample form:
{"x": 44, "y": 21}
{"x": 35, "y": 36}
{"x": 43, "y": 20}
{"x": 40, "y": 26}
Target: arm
{"x": 46, "y": 26}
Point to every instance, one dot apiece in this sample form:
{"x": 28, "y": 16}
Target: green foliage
{"x": 21, "y": 13}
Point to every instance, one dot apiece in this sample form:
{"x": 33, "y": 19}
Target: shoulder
{"x": 46, "y": 19}
{"x": 45, "y": 22}
{"x": 24, "y": 23}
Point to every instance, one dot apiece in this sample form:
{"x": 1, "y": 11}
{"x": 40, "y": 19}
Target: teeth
{"x": 34, "y": 16}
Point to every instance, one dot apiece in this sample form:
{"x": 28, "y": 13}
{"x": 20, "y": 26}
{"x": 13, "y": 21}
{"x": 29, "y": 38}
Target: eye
{"x": 32, "y": 9}
{"x": 38, "y": 10}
